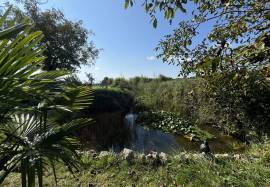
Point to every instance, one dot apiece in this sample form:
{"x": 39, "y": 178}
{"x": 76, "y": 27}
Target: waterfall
{"x": 130, "y": 118}
{"x": 137, "y": 132}
{"x": 147, "y": 140}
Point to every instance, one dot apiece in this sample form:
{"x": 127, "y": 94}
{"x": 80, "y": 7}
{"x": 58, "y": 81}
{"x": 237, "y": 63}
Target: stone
{"x": 204, "y": 147}
{"x": 92, "y": 153}
{"x": 154, "y": 154}
{"x": 103, "y": 154}
{"x": 237, "y": 156}
{"x": 163, "y": 157}
{"x": 199, "y": 156}
{"x": 153, "y": 158}
{"x": 128, "y": 154}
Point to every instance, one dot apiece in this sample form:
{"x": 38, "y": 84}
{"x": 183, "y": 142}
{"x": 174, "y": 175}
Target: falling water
{"x": 144, "y": 140}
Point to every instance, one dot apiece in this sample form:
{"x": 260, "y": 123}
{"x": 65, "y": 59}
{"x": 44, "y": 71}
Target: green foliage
{"x": 106, "y": 81}
{"x": 121, "y": 83}
{"x": 243, "y": 98}
{"x": 31, "y": 145}
{"x": 110, "y": 100}
{"x": 230, "y": 102}
{"x": 171, "y": 123}
{"x": 29, "y": 99}
{"x": 20, "y": 58}
{"x": 182, "y": 96}
{"x": 239, "y": 36}
{"x": 251, "y": 170}
{"x": 167, "y": 7}
{"x": 234, "y": 102}
{"x": 67, "y": 42}
{"x": 233, "y": 57}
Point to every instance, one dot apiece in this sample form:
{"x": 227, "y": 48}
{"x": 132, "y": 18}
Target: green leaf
{"x": 155, "y": 23}
{"x": 12, "y": 31}
{"x": 182, "y": 8}
{"x": 148, "y": 7}
{"x": 127, "y": 4}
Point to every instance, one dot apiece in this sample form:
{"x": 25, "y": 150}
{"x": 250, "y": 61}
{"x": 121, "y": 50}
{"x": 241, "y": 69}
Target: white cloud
{"x": 150, "y": 58}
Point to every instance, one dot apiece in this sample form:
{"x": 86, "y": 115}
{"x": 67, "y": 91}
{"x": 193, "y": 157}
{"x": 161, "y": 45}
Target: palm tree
{"x": 28, "y": 96}
{"x": 29, "y": 147}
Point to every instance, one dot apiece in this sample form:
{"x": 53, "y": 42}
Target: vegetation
{"x": 44, "y": 106}
{"x": 31, "y": 139}
{"x": 252, "y": 169}
{"x": 196, "y": 100}
{"x": 110, "y": 100}
{"x": 233, "y": 58}
{"x": 172, "y": 123}
{"x": 66, "y": 42}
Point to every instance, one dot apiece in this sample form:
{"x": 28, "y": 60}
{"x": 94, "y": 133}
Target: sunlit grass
{"x": 252, "y": 169}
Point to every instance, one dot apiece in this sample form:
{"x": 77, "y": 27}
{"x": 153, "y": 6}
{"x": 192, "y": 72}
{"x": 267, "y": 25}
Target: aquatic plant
{"x": 170, "y": 122}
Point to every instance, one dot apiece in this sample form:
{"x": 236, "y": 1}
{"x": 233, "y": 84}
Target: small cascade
{"x": 147, "y": 140}
{"x": 130, "y": 120}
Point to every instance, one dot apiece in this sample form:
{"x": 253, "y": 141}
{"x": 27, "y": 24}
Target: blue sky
{"x": 126, "y": 37}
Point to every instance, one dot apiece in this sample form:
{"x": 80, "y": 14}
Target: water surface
{"x": 145, "y": 140}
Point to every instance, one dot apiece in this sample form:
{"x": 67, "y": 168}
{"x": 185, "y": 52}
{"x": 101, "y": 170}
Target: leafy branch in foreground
{"x": 238, "y": 36}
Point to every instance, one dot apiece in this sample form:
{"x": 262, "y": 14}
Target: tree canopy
{"x": 239, "y": 36}
{"x": 67, "y": 42}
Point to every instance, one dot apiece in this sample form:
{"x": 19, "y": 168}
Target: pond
{"x": 116, "y": 131}
{"x": 145, "y": 140}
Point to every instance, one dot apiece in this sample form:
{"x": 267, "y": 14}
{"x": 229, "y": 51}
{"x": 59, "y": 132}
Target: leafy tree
{"x": 121, "y": 83}
{"x": 90, "y": 78}
{"x": 233, "y": 56}
{"x": 164, "y": 78}
{"x": 239, "y": 36}
{"x": 66, "y": 42}
{"x": 106, "y": 81}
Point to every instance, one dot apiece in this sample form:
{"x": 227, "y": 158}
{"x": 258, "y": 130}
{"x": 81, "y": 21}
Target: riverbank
{"x": 251, "y": 168}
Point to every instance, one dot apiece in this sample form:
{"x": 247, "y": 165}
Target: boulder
{"x": 154, "y": 154}
{"x": 163, "y": 157}
{"x": 153, "y": 158}
{"x": 128, "y": 154}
